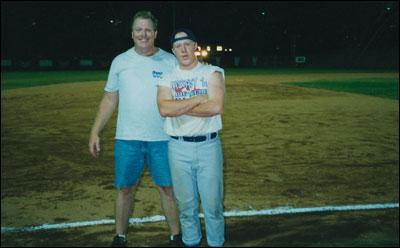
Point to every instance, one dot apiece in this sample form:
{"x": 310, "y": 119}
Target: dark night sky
{"x": 102, "y": 29}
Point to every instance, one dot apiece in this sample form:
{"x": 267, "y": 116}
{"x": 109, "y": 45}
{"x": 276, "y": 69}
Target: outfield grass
{"x": 382, "y": 87}
{"x": 14, "y": 80}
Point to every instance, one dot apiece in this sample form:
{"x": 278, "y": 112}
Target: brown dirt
{"x": 283, "y": 146}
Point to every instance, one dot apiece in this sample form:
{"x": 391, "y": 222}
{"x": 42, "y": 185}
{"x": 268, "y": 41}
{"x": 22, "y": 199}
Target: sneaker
{"x": 119, "y": 241}
{"x": 176, "y": 240}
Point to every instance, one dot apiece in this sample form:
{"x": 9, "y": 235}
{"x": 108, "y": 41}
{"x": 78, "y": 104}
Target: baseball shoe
{"x": 176, "y": 240}
{"x": 119, "y": 241}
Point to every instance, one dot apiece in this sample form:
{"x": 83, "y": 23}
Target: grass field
{"x": 382, "y": 87}
{"x": 14, "y": 80}
{"x": 332, "y": 141}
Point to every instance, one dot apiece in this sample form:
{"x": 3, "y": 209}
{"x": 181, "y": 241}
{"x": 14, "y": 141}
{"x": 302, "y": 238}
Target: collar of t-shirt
{"x": 144, "y": 56}
{"x": 194, "y": 69}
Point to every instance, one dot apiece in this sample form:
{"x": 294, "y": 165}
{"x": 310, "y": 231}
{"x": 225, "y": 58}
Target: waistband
{"x": 201, "y": 138}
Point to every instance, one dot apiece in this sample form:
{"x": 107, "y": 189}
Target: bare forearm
{"x": 177, "y": 107}
{"x": 106, "y": 109}
{"x": 171, "y": 107}
{"x": 215, "y": 102}
{"x": 209, "y": 108}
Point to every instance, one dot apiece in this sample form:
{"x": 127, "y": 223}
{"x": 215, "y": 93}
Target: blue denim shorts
{"x": 130, "y": 156}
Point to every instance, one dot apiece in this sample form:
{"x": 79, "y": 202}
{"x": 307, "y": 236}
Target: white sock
{"x": 122, "y": 236}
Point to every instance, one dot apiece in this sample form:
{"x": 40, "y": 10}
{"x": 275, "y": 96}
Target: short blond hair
{"x": 144, "y": 14}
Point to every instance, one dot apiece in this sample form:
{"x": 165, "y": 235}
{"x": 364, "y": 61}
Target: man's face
{"x": 143, "y": 33}
{"x": 184, "y": 50}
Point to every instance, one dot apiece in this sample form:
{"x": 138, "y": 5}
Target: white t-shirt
{"x": 185, "y": 84}
{"x": 136, "y": 77}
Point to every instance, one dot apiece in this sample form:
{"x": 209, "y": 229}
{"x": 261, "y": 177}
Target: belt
{"x": 195, "y": 138}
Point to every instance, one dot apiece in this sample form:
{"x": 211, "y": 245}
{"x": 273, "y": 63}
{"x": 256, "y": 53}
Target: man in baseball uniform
{"x": 191, "y": 97}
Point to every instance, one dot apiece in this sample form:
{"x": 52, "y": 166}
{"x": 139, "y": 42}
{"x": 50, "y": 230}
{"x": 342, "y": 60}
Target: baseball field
{"x": 292, "y": 138}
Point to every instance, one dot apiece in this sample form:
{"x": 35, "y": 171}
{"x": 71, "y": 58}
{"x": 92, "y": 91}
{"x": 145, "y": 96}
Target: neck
{"x": 190, "y": 66}
{"x": 146, "y": 51}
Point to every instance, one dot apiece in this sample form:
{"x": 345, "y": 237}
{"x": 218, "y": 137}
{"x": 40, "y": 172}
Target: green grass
{"x": 14, "y": 80}
{"x": 381, "y": 87}
{"x": 298, "y": 70}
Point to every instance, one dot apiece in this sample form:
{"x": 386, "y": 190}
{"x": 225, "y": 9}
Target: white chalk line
{"x": 233, "y": 213}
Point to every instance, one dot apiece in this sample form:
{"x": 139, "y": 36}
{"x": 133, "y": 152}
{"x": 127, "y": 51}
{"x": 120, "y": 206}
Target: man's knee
{"x": 128, "y": 190}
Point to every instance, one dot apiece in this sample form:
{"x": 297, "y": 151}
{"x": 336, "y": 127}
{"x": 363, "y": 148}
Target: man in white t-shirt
{"x": 132, "y": 85}
{"x": 191, "y": 97}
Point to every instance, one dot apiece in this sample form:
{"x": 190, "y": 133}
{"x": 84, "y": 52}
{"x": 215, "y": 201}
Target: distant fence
{"x": 254, "y": 61}
{"x": 376, "y": 59}
{"x": 50, "y": 64}
{"x": 87, "y": 64}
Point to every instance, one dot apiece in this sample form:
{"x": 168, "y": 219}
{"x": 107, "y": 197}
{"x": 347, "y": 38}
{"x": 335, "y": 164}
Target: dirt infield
{"x": 282, "y": 145}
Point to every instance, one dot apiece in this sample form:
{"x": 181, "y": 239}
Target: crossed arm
{"x": 204, "y": 105}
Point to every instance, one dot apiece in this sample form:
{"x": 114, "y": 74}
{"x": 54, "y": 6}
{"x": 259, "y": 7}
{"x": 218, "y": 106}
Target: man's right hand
{"x": 94, "y": 145}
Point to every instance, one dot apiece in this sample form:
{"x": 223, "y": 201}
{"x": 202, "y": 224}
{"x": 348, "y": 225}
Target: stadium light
{"x": 197, "y": 53}
{"x": 219, "y": 48}
{"x": 230, "y": 49}
{"x": 204, "y": 53}
{"x": 208, "y": 48}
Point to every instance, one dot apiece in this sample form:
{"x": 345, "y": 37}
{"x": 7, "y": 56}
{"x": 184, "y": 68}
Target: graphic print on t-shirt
{"x": 157, "y": 74}
{"x": 187, "y": 88}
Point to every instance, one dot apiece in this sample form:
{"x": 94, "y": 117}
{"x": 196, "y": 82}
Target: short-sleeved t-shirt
{"x": 185, "y": 84}
{"x": 136, "y": 77}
